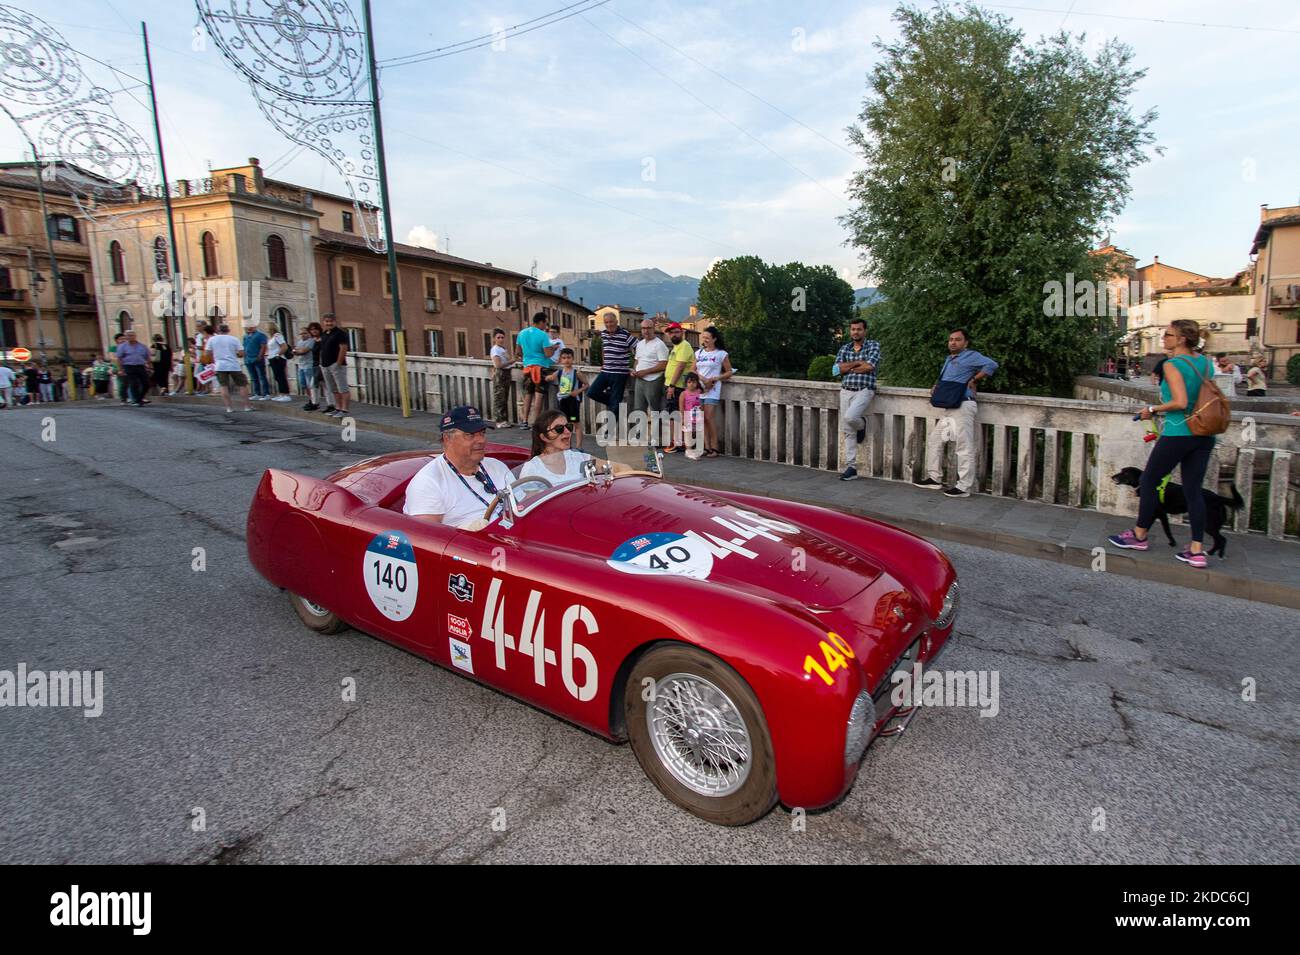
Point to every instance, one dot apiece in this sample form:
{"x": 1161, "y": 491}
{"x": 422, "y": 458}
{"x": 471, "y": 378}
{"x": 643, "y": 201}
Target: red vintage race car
{"x": 744, "y": 645}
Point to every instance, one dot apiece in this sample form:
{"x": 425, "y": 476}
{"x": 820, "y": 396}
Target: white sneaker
{"x": 282, "y": 398}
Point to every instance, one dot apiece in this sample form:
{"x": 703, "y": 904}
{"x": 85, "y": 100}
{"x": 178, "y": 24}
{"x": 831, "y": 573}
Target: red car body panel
{"x": 543, "y": 611}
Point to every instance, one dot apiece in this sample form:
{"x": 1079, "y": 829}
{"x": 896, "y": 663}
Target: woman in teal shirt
{"x": 1177, "y": 447}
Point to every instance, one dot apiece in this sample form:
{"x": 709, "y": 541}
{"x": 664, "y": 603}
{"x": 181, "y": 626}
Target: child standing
{"x": 691, "y": 418}
{"x": 100, "y": 374}
{"x": 571, "y": 385}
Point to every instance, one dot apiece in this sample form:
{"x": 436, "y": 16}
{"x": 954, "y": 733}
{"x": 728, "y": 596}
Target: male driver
{"x": 648, "y": 375}
{"x": 224, "y": 352}
{"x": 615, "y": 362}
{"x": 680, "y": 357}
{"x": 857, "y": 361}
{"x": 133, "y": 360}
{"x": 535, "y": 346}
{"x": 334, "y": 365}
{"x": 457, "y": 486}
{"x": 964, "y": 364}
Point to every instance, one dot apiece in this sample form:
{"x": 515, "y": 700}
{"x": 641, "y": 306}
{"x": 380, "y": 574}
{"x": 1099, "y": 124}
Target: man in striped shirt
{"x": 616, "y": 345}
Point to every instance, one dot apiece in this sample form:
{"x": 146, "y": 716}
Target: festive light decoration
{"x": 305, "y": 63}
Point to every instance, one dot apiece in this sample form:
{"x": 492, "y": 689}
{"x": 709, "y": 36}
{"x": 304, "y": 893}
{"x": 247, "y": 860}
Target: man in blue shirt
{"x": 857, "y": 361}
{"x": 534, "y": 345}
{"x": 964, "y": 364}
{"x": 255, "y": 361}
{"x": 133, "y": 361}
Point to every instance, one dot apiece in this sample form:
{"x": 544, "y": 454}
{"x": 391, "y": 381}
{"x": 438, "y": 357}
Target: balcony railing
{"x": 1284, "y": 296}
{"x": 13, "y": 294}
{"x": 1054, "y": 450}
{"x": 78, "y": 299}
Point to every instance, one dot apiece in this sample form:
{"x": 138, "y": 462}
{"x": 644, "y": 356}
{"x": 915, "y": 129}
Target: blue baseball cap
{"x": 463, "y": 418}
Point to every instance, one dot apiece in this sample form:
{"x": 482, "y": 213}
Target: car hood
{"x": 648, "y": 527}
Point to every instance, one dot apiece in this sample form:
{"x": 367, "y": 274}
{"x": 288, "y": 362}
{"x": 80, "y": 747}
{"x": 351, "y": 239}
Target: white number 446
{"x": 532, "y": 640}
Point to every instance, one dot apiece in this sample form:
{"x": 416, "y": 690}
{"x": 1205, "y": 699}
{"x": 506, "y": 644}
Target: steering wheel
{"x": 530, "y": 485}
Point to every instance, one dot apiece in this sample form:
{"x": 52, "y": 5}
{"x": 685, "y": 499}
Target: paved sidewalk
{"x": 1257, "y": 568}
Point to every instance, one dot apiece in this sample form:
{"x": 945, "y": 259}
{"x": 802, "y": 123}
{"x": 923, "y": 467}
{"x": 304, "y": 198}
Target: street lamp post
{"x": 54, "y": 263}
{"x": 35, "y": 281}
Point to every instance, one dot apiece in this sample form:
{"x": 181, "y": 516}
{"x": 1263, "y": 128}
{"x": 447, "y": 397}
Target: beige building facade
{"x": 1276, "y": 250}
{"x": 23, "y": 228}
{"x": 246, "y": 256}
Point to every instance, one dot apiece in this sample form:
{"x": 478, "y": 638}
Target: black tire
{"x": 327, "y": 622}
{"x": 756, "y": 796}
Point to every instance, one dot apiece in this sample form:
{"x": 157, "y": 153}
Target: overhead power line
{"x": 487, "y": 39}
{"x": 1160, "y": 20}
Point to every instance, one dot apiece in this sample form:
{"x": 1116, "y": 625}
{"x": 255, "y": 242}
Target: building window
{"x": 276, "y": 263}
{"x": 10, "y": 327}
{"x": 209, "y": 244}
{"x": 123, "y": 322}
{"x": 5, "y": 281}
{"x": 512, "y": 298}
{"x": 487, "y": 343}
{"x": 161, "y": 267}
{"x": 347, "y": 222}
{"x": 388, "y": 283}
{"x": 390, "y": 341}
{"x": 430, "y": 286}
{"x": 283, "y": 319}
{"x": 567, "y": 322}
{"x": 356, "y": 339}
{"x": 64, "y": 228}
{"x": 458, "y": 292}
{"x": 462, "y": 344}
{"x": 1252, "y": 327}
{"x": 2, "y": 229}
{"x": 484, "y": 296}
{"x": 435, "y": 341}
{"x": 347, "y": 278}
{"x": 117, "y": 262}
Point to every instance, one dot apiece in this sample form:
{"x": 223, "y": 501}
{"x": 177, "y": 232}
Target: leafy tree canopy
{"x": 775, "y": 318}
{"x": 991, "y": 168}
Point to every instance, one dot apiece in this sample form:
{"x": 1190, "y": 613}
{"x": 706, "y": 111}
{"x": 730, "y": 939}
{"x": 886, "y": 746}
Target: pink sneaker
{"x": 1193, "y": 560}
{"x": 1128, "y": 540}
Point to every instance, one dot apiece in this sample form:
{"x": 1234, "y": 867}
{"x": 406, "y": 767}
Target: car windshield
{"x": 548, "y": 476}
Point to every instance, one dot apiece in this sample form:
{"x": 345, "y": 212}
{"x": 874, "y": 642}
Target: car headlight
{"x": 949, "y": 609}
{"x": 862, "y": 719}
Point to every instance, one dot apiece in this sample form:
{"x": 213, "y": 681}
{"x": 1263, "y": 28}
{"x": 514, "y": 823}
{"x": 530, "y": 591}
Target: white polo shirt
{"x": 648, "y": 354}
{"x": 225, "y": 352}
{"x": 438, "y": 488}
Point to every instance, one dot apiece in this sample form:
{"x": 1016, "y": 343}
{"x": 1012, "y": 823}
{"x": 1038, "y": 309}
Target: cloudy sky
{"x": 647, "y": 133}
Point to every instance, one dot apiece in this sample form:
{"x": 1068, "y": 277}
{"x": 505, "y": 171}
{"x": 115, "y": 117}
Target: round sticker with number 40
{"x": 391, "y": 576}
{"x": 661, "y": 553}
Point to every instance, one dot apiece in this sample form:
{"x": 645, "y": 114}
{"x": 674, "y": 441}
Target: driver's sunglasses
{"x": 559, "y": 429}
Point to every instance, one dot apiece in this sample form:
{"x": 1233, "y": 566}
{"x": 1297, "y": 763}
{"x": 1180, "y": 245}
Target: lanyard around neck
{"x": 482, "y": 475}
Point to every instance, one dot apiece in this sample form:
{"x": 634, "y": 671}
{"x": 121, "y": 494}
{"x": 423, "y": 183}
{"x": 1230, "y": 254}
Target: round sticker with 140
{"x": 391, "y": 577}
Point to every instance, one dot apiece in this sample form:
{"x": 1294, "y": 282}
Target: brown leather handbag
{"x": 1211, "y": 414}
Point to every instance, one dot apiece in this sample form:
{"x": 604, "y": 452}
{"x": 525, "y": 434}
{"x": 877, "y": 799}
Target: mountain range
{"x": 651, "y": 290}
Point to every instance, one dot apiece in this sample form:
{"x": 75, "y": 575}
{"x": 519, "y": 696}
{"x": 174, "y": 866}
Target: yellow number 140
{"x": 834, "y": 656}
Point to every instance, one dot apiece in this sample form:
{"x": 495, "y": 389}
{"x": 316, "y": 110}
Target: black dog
{"x": 1216, "y": 507}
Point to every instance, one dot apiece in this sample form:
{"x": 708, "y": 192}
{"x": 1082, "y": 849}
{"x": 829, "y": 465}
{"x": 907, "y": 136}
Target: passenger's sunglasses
{"x": 559, "y": 429}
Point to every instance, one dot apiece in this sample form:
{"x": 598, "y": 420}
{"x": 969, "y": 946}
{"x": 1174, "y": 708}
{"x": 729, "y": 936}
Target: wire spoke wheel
{"x": 699, "y": 734}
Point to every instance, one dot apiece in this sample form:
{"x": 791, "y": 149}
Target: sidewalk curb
{"x": 1116, "y": 563}
{"x": 1213, "y": 581}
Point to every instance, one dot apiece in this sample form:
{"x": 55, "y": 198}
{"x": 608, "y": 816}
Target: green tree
{"x": 775, "y": 318}
{"x": 991, "y": 167}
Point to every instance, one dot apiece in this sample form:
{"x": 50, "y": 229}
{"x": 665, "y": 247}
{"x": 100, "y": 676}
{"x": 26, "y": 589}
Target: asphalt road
{"x": 1121, "y": 736}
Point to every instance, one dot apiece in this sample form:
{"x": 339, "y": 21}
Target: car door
{"x": 395, "y": 561}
